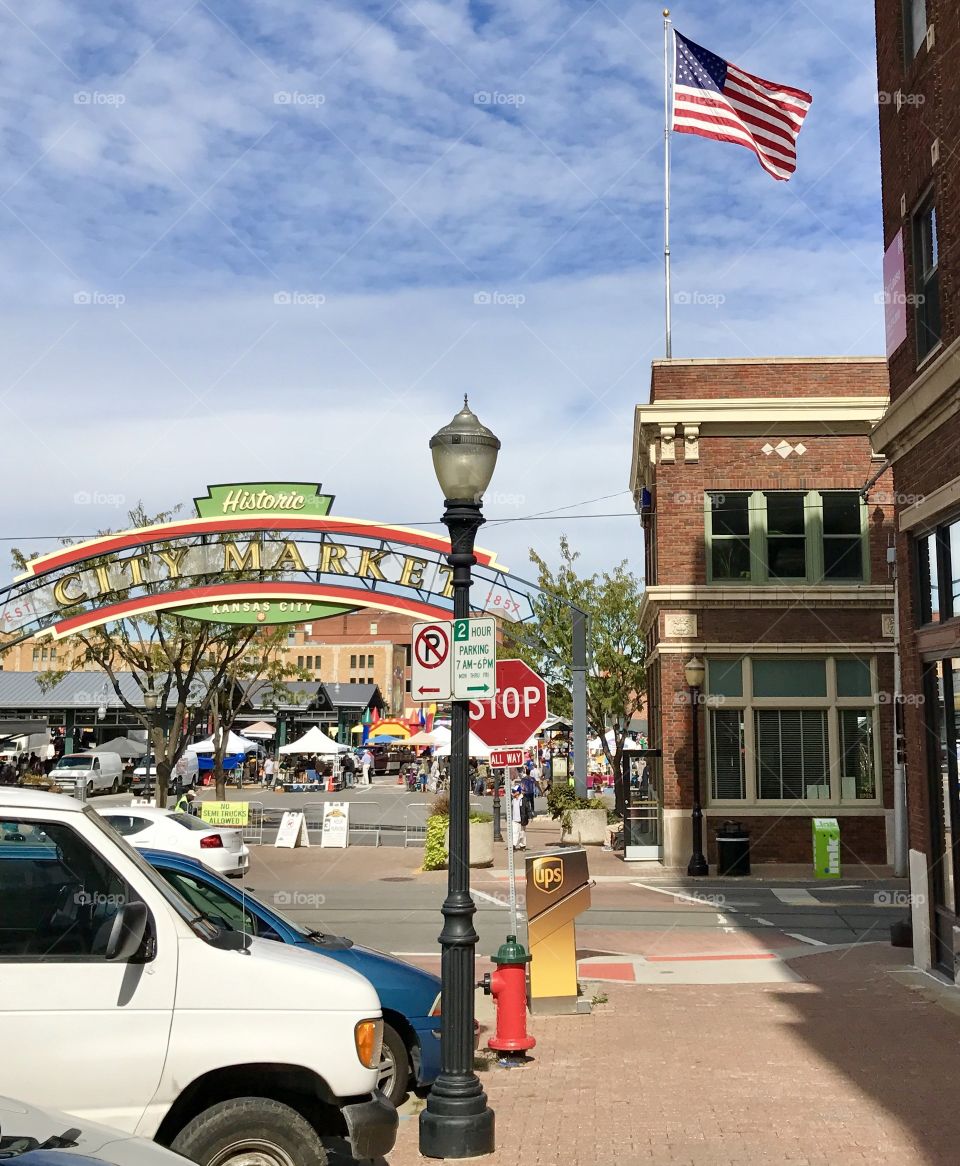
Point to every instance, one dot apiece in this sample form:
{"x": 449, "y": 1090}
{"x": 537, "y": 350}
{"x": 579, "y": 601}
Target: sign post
{"x": 431, "y": 667}
{"x": 474, "y": 658}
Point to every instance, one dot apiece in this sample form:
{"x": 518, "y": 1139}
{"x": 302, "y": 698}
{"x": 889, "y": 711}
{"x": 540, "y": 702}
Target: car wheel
{"x": 115, "y": 788}
{"x": 250, "y": 1131}
{"x": 393, "y": 1072}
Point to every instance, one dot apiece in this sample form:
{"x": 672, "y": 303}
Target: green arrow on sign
{"x": 479, "y": 688}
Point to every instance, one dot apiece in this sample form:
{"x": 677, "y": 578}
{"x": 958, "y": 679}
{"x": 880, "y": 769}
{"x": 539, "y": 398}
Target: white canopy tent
{"x": 422, "y": 738}
{"x": 477, "y": 748}
{"x": 235, "y": 744}
{"x": 314, "y": 740}
{"x": 260, "y": 730}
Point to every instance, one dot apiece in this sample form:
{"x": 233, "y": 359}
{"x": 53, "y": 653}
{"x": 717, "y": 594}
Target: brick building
{"x": 361, "y": 647}
{"x": 764, "y": 560}
{"x": 918, "y": 66}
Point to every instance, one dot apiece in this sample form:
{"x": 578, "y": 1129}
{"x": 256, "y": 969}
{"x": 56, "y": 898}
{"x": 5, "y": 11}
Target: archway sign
{"x": 256, "y": 553}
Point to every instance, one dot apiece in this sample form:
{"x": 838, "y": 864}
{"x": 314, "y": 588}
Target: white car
{"x": 24, "y": 1128}
{"x": 221, "y": 850}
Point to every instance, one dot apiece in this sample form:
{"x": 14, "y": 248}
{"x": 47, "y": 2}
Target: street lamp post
{"x": 695, "y": 672}
{"x": 457, "y": 1122}
{"x": 150, "y": 702}
{"x": 497, "y": 828}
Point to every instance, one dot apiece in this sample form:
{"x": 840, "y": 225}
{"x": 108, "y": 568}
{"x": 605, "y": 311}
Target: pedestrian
{"x": 423, "y": 773}
{"x": 185, "y": 802}
{"x": 269, "y": 772}
{"x": 366, "y": 763}
{"x": 518, "y": 813}
{"x": 530, "y": 787}
{"x": 434, "y": 782}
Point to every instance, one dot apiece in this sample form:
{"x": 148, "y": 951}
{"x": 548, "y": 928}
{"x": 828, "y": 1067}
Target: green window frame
{"x": 776, "y": 538}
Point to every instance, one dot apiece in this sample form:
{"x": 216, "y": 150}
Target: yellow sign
{"x": 225, "y": 813}
{"x": 548, "y": 874}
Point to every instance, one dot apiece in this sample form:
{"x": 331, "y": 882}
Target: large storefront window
{"x": 941, "y": 690}
{"x": 792, "y": 730}
{"x": 785, "y": 536}
{"x": 937, "y": 573}
{"x": 856, "y": 755}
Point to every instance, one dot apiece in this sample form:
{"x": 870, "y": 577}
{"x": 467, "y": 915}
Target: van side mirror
{"x": 128, "y": 931}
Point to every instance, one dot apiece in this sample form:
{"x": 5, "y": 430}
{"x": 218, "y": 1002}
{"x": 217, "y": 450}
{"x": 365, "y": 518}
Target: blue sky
{"x": 259, "y": 241}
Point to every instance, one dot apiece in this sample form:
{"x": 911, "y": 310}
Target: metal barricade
{"x": 415, "y": 833}
{"x": 372, "y": 827}
{"x": 313, "y": 816}
{"x": 253, "y": 831}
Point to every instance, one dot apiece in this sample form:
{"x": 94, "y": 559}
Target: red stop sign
{"x": 518, "y": 708}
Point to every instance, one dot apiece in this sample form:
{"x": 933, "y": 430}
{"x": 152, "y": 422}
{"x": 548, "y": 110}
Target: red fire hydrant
{"x": 508, "y": 986}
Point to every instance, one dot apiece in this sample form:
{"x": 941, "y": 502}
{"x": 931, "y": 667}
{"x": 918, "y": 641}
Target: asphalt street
{"x": 379, "y": 897}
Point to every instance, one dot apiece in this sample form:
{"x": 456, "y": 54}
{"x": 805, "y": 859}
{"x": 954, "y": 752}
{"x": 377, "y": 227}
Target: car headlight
{"x": 368, "y": 1037}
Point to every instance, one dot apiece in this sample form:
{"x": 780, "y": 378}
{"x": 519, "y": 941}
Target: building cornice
{"x": 867, "y": 595}
{"x": 746, "y": 416}
{"x": 766, "y": 647}
{"x": 931, "y": 399}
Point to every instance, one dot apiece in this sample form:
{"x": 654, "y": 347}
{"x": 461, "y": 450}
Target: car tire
{"x": 115, "y": 788}
{"x": 393, "y": 1072}
{"x": 256, "y": 1131}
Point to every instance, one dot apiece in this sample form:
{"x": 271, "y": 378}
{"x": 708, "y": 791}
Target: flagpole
{"x": 668, "y": 322}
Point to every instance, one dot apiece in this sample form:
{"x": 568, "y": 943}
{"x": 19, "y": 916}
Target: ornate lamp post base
{"x": 456, "y": 1127}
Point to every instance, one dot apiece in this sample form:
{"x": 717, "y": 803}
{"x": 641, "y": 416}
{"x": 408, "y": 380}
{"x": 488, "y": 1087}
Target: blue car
{"x": 410, "y": 998}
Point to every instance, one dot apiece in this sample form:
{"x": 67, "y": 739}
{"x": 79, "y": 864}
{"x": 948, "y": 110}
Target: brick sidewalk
{"x": 847, "y": 1066}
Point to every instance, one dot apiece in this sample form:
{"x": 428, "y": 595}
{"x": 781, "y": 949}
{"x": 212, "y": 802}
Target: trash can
{"x": 733, "y": 850}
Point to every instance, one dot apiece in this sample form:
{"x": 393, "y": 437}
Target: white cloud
{"x": 549, "y": 191}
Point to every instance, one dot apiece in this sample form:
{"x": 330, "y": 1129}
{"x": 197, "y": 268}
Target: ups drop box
{"x": 558, "y": 890}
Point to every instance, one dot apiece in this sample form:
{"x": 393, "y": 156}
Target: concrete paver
{"x": 839, "y": 1066}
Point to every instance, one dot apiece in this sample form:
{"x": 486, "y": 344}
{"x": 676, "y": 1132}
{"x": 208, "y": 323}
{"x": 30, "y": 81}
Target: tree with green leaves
{"x": 189, "y": 664}
{"x": 616, "y": 674}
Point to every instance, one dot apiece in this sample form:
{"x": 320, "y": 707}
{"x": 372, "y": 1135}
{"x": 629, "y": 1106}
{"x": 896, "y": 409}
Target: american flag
{"x": 715, "y": 99}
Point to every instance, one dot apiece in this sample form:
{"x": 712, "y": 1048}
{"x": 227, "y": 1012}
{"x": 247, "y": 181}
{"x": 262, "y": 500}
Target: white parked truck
{"x": 123, "y": 1005}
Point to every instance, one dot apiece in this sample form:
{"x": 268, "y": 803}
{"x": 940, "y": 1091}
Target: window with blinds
{"x": 791, "y": 749}
{"x": 856, "y": 754}
{"x": 726, "y": 754}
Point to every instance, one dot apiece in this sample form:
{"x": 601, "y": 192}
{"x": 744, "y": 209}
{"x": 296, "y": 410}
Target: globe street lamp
{"x": 695, "y": 673}
{"x": 457, "y": 1122}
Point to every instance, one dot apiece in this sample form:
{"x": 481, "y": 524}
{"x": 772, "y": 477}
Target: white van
{"x": 185, "y": 773}
{"x": 101, "y": 773}
{"x": 123, "y": 1005}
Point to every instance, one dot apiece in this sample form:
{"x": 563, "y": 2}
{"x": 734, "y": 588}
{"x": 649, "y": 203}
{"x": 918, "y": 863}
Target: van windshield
{"x": 73, "y": 761}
